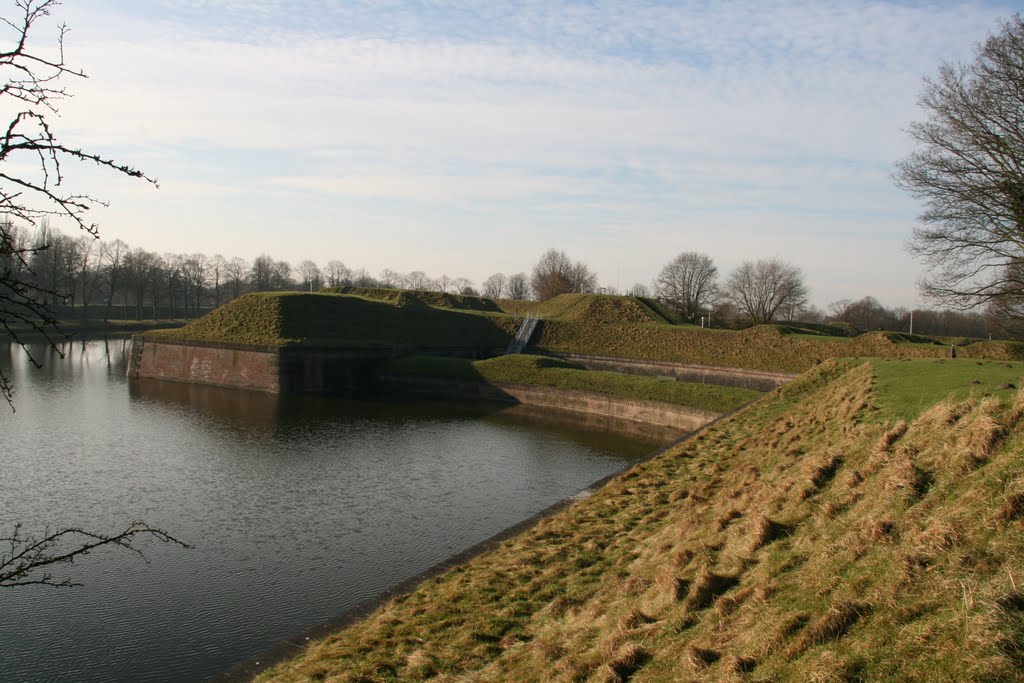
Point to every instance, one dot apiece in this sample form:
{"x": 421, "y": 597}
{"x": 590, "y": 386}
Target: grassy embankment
{"x": 296, "y": 318}
{"x": 552, "y": 372}
{"x": 627, "y": 327}
{"x": 854, "y": 525}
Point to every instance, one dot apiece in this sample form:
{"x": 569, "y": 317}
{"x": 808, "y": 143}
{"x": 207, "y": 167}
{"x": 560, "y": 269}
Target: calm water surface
{"x": 298, "y": 508}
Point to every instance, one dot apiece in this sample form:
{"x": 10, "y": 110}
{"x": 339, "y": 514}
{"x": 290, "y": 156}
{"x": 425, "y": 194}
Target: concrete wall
{"x": 649, "y": 412}
{"x": 248, "y": 367}
{"x": 758, "y": 380}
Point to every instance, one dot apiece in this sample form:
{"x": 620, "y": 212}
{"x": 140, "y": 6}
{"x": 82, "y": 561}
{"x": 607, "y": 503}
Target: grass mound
{"x": 763, "y": 347}
{"x": 625, "y": 327}
{"x": 600, "y": 309}
{"x": 819, "y": 534}
{"x": 553, "y": 372}
{"x": 253, "y": 319}
{"x": 410, "y": 297}
{"x": 994, "y": 350}
{"x": 290, "y": 318}
{"x": 821, "y": 329}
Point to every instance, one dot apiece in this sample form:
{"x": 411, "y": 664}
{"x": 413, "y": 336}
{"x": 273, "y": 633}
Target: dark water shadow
{"x": 247, "y": 409}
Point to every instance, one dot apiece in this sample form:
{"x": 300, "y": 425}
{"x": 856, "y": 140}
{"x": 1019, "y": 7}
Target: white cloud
{"x": 766, "y": 124}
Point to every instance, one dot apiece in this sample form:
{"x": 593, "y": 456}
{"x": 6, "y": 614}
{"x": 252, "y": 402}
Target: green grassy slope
{"x": 821, "y": 534}
{"x": 627, "y": 327}
{"x": 526, "y": 369}
{"x": 407, "y": 297}
{"x": 762, "y": 348}
{"x": 338, "y": 320}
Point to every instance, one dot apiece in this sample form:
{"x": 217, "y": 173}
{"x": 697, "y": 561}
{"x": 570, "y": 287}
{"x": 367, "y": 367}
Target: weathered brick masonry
{"x": 263, "y": 368}
{"x": 758, "y": 380}
{"x": 649, "y": 412}
{"x": 223, "y": 365}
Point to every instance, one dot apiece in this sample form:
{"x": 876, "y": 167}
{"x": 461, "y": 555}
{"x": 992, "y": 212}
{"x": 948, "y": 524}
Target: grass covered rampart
{"x": 854, "y": 525}
{"x": 294, "y": 318}
{"x": 613, "y": 326}
{"x": 561, "y": 374}
{"x": 757, "y": 348}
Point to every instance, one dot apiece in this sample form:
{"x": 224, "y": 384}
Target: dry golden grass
{"x": 806, "y": 538}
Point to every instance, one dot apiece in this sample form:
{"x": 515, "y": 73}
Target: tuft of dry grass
{"x": 885, "y": 444}
{"x": 1012, "y": 508}
{"x": 633, "y": 619}
{"x": 625, "y": 663}
{"x": 767, "y": 530}
{"x": 979, "y": 437}
{"x": 701, "y": 658}
{"x": 833, "y": 625}
{"x": 674, "y": 587}
{"x": 739, "y": 664}
{"x": 706, "y": 587}
{"x": 833, "y": 668}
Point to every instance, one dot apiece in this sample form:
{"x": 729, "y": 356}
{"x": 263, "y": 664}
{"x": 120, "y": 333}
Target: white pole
{"x": 911, "y": 322}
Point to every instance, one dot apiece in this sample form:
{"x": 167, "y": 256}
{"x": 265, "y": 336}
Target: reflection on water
{"x": 299, "y": 507}
{"x": 245, "y": 409}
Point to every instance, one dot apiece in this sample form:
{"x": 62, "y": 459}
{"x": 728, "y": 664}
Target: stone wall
{"x": 758, "y": 380}
{"x": 676, "y": 417}
{"x": 272, "y": 369}
{"x": 243, "y": 367}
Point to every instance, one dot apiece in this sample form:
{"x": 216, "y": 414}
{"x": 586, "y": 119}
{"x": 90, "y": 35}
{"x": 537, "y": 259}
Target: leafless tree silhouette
{"x": 27, "y": 560}
{"x": 32, "y": 160}
{"x": 968, "y": 169}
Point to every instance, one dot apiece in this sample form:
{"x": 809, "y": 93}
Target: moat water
{"x": 299, "y": 508}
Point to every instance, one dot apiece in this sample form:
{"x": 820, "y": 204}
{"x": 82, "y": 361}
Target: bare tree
{"x": 638, "y": 289}
{"x": 195, "y": 268}
{"x": 138, "y": 267}
{"x": 217, "y": 267}
{"x": 494, "y": 286}
{"x": 310, "y": 277}
{"x": 88, "y": 275}
{"x": 517, "y": 287}
{"x": 27, "y": 560}
{"x": 262, "y": 273}
{"x": 389, "y": 278}
{"x": 582, "y": 280}
{"x": 556, "y": 274}
{"x": 360, "y": 278}
{"x": 760, "y": 289}
{"x": 417, "y": 279}
{"x": 235, "y": 271}
{"x": 32, "y": 163}
{"x": 968, "y": 169}
{"x": 337, "y": 274}
{"x": 282, "y": 276}
{"x": 688, "y": 283}
{"x": 463, "y": 285}
{"x": 112, "y": 255}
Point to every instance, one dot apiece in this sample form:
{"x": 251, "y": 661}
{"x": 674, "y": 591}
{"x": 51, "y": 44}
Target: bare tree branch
{"x": 27, "y": 559}
{"x": 30, "y": 197}
{"x": 968, "y": 170}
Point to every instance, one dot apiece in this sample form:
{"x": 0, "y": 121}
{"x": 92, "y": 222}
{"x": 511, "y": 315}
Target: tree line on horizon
{"x": 86, "y": 276}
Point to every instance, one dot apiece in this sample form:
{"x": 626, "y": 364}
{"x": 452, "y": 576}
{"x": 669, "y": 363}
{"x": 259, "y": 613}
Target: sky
{"x": 465, "y": 138}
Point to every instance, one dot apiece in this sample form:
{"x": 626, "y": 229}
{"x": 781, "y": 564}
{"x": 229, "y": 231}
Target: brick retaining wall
{"x": 242, "y": 367}
{"x": 758, "y": 380}
{"x": 649, "y": 412}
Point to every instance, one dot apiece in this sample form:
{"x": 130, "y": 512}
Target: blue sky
{"x": 465, "y": 138}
